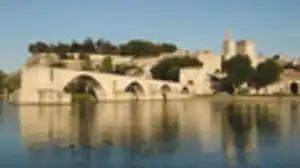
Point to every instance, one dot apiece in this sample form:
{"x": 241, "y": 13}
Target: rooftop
{"x": 241, "y": 42}
{"x": 291, "y": 75}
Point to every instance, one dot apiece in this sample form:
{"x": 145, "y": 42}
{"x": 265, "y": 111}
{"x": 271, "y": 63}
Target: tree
{"x": 227, "y": 87}
{"x": 86, "y": 64}
{"x": 122, "y": 69}
{"x": 61, "y": 49}
{"x": 76, "y": 47}
{"x": 173, "y": 74}
{"x": 168, "y": 48}
{"x": 3, "y": 78}
{"x": 135, "y": 47}
{"x": 164, "y": 69}
{"x": 266, "y": 73}
{"x": 89, "y": 45}
{"x": 106, "y": 47}
{"x": 13, "y": 81}
{"x": 32, "y": 48}
{"x": 138, "y": 48}
{"x": 38, "y": 47}
{"x": 107, "y": 66}
{"x": 239, "y": 70}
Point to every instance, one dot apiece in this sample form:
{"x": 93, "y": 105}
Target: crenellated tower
{"x": 229, "y": 46}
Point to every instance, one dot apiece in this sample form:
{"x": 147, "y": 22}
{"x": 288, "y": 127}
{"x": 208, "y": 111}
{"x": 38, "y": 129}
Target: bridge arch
{"x": 294, "y": 87}
{"x": 98, "y": 88}
{"x": 185, "y": 90}
{"x": 136, "y": 88}
{"x": 165, "y": 88}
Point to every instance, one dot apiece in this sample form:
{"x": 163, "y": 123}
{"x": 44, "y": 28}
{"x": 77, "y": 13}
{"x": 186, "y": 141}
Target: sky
{"x": 273, "y": 25}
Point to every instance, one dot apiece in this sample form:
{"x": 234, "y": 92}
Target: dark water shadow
{"x": 238, "y": 122}
{"x": 83, "y": 114}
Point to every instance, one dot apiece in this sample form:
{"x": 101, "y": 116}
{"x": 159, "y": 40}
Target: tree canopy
{"x": 266, "y": 73}
{"x": 12, "y": 81}
{"x": 169, "y": 68}
{"x": 107, "y": 65}
{"x": 239, "y": 70}
{"x": 123, "y": 68}
{"x": 3, "y": 77}
{"x": 87, "y": 64}
{"x": 135, "y": 47}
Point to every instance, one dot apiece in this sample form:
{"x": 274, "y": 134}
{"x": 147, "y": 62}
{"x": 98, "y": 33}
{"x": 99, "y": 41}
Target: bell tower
{"x": 227, "y": 35}
{"x": 228, "y": 47}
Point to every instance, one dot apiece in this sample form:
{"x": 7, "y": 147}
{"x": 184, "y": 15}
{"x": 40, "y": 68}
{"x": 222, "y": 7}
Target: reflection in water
{"x": 168, "y": 130}
{"x": 128, "y": 132}
{"x": 84, "y": 114}
{"x": 1, "y": 111}
{"x": 238, "y": 123}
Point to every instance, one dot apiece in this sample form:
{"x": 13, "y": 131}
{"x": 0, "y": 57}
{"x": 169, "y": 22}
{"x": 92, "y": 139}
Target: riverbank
{"x": 215, "y": 98}
{"x": 250, "y": 98}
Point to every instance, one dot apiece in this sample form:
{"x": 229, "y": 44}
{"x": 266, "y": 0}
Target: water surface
{"x": 198, "y": 133}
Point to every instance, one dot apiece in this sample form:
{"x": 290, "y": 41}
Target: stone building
{"x": 228, "y": 47}
{"x": 245, "y": 47}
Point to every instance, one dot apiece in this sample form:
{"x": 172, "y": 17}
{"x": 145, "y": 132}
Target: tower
{"x": 227, "y": 35}
{"x": 228, "y": 46}
{"x": 245, "y": 47}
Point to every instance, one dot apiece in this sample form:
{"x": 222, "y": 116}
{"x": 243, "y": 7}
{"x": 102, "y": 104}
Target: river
{"x": 154, "y": 134}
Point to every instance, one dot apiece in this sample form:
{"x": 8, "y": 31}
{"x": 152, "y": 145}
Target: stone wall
{"x": 49, "y": 84}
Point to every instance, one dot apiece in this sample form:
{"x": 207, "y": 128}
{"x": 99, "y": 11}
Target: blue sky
{"x": 191, "y": 24}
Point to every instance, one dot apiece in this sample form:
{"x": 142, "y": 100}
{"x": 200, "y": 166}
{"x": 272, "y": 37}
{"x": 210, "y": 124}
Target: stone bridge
{"x": 42, "y": 84}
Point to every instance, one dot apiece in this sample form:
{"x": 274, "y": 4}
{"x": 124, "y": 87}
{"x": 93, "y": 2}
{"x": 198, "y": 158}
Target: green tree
{"x": 239, "y": 70}
{"x": 164, "y": 69}
{"x": 123, "y": 68}
{"x": 61, "y": 47}
{"x": 32, "y": 48}
{"x": 13, "y": 81}
{"x": 76, "y": 47}
{"x": 168, "y": 47}
{"x": 173, "y": 74}
{"x": 266, "y": 73}
{"x": 86, "y": 64}
{"x": 138, "y": 48}
{"x": 38, "y": 47}
{"x": 106, "y": 47}
{"x": 89, "y": 45}
{"x": 3, "y": 78}
{"x": 135, "y": 47}
{"x": 107, "y": 66}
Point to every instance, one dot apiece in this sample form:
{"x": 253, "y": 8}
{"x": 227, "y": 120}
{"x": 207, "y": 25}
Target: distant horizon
{"x": 192, "y": 25}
